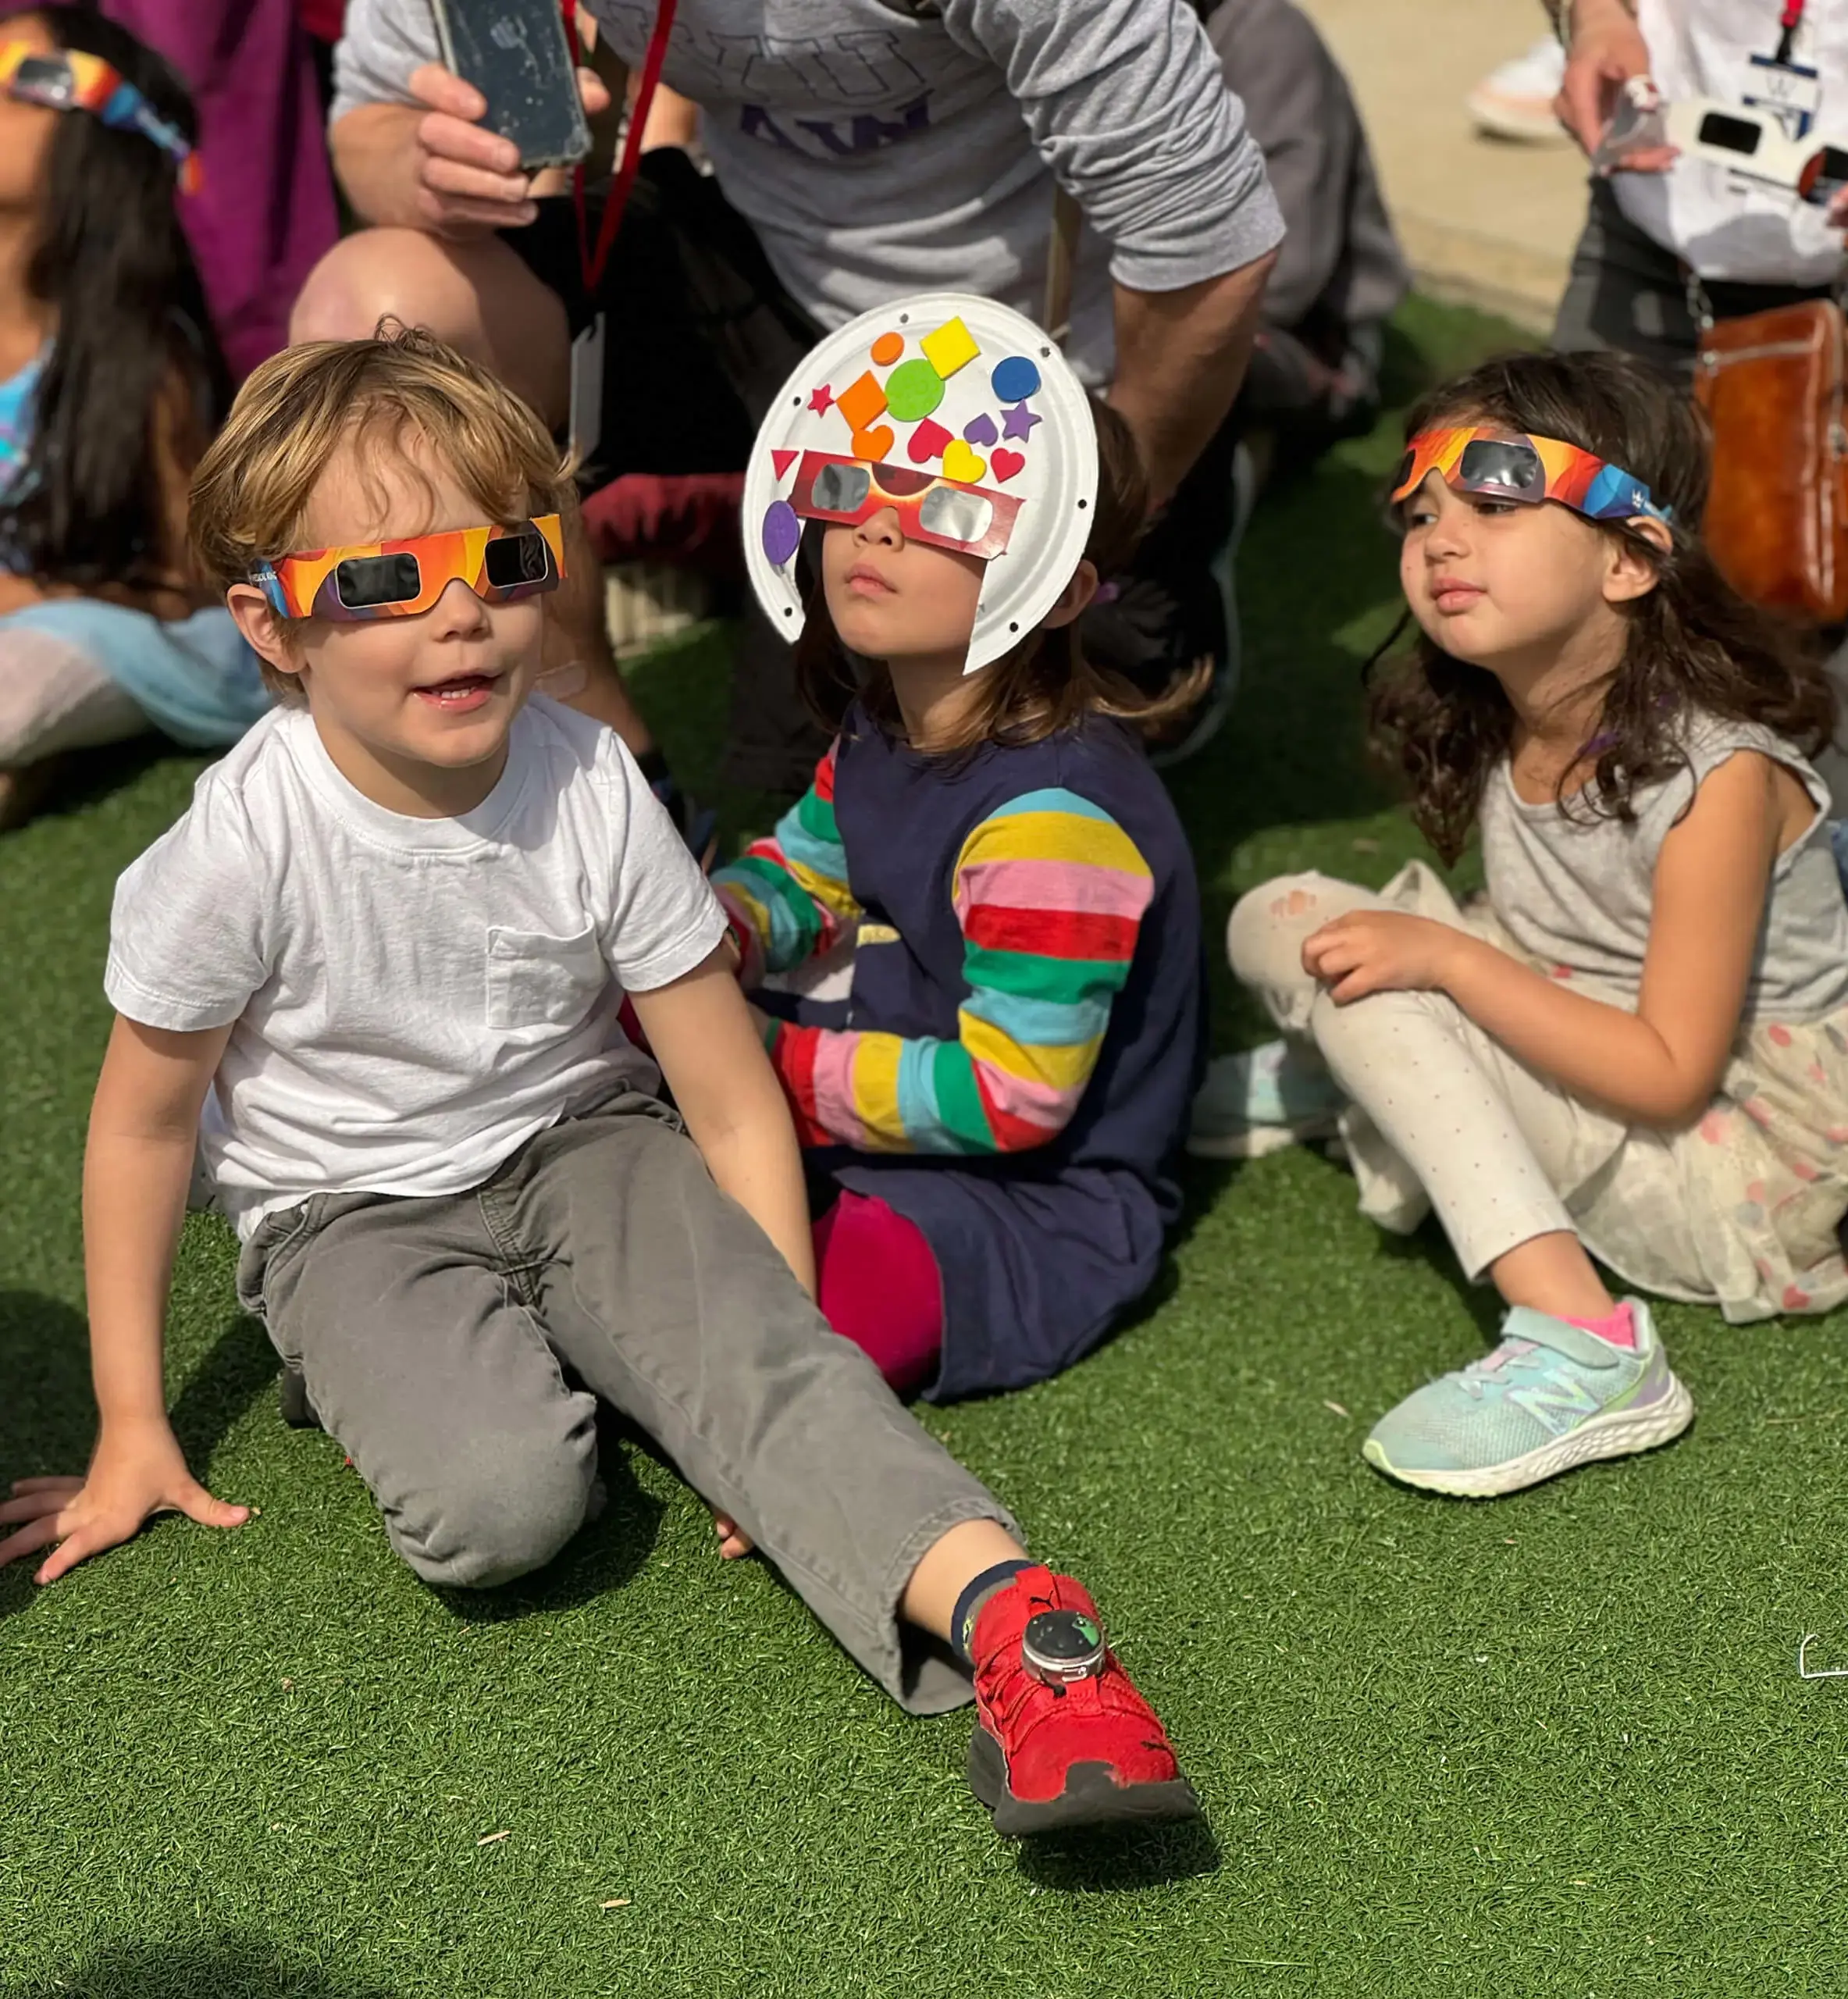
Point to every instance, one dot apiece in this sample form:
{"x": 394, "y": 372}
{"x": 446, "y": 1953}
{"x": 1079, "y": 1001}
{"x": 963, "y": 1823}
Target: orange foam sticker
{"x": 873, "y": 445}
{"x": 887, "y": 348}
{"x": 863, "y": 404}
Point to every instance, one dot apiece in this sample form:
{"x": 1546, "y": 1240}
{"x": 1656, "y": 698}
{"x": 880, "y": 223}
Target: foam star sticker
{"x": 820, "y": 399}
{"x": 1019, "y": 421}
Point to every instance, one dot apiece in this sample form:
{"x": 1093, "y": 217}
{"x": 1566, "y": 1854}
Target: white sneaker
{"x": 1515, "y": 101}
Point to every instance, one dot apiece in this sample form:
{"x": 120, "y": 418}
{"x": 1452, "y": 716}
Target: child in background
{"x": 993, "y": 1113}
{"x": 384, "y": 951}
{"x": 110, "y": 384}
{"x": 1638, "y": 1051}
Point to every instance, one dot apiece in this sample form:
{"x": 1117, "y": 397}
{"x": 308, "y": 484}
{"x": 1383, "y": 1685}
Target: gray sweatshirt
{"x": 877, "y": 154}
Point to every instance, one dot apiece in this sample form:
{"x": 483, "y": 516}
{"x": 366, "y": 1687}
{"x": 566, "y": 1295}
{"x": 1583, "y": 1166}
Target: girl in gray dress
{"x": 1636, "y": 1047}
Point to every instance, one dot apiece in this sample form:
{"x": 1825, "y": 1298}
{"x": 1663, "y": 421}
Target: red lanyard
{"x": 591, "y": 262}
{"x": 1789, "y": 20}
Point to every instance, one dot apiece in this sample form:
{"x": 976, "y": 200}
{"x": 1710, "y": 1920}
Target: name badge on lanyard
{"x": 1791, "y": 92}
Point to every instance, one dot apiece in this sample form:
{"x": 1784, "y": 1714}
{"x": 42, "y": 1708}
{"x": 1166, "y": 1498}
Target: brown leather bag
{"x": 1777, "y": 515}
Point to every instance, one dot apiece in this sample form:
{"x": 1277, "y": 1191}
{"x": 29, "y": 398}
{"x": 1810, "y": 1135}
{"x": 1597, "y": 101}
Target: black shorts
{"x": 699, "y": 334}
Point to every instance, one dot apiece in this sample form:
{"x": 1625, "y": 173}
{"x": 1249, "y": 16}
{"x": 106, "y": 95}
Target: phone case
{"x": 515, "y": 53}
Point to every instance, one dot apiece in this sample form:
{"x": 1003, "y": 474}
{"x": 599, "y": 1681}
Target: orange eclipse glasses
{"x": 930, "y": 508}
{"x": 405, "y": 579}
{"x": 73, "y": 79}
{"x": 1494, "y": 465}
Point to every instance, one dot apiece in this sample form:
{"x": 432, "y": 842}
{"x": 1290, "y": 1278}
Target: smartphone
{"x": 515, "y": 53}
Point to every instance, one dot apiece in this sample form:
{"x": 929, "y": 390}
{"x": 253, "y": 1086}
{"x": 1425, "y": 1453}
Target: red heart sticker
{"x": 781, "y": 461}
{"x": 928, "y": 441}
{"x": 1004, "y": 463}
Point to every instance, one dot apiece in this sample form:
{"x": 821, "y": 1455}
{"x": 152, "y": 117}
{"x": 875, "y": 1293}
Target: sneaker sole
{"x": 1260, "y": 1141}
{"x": 1619, "y": 1435}
{"x": 1092, "y": 1796}
{"x": 1500, "y": 122}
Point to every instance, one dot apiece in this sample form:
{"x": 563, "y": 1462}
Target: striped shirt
{"x": 1049, "y": 893}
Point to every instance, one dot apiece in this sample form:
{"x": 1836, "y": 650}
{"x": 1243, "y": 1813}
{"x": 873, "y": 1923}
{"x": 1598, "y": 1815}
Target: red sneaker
{"x": 1062, "y": 1737}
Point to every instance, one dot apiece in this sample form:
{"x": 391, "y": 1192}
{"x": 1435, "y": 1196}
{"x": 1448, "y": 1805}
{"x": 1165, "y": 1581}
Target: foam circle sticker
{"x": 1014, "y": 380}
{"x": 913, "y": 389}
{"x": 935, "y": 419}
{"x": 782, "y": 532}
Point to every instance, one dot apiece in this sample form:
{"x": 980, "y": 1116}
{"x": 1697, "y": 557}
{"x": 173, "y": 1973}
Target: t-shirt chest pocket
{"x": 537, "y": 980}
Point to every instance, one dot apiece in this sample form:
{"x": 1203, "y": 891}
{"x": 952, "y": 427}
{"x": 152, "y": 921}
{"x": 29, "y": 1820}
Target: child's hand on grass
{"x": 136, "y": 1472}
{"x": 1379, "y": 951}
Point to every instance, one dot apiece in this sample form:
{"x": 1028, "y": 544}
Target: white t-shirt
{"x": 1724, "y": 226}
{"x": 414, "y": 998}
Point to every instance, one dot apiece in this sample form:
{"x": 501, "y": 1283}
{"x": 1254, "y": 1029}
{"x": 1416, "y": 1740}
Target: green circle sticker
{"x": 913, "y": 389}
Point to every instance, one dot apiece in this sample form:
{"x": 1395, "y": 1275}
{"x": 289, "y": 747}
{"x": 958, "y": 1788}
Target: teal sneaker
{"x": 1549, "y": 1397}
{"x": 1263, "y": 1100}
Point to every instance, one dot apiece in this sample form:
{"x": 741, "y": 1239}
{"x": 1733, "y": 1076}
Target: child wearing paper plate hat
{"x": 991, "y": 1088}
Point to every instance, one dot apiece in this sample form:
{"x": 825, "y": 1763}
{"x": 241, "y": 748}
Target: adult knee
{"x": 497, "y": 1517}
{"x": 478, "y": 297}
{"x": 376, "y": 273}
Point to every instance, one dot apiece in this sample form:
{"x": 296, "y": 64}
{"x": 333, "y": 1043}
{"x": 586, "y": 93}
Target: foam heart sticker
{"x": 781, "y": 461}
{"x": 961, "y": 464}
{"x": 928, "y": 440}
{"x": 873, "y": 445}
{"x": 1006, "y": 464}
{"x": 981, "y": 429}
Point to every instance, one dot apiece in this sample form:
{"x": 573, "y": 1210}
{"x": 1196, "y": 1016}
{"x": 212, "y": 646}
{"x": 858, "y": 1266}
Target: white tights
{"x": 1440, "y": 1112}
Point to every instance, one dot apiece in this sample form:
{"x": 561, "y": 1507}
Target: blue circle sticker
{"x": 1014, "y": 380}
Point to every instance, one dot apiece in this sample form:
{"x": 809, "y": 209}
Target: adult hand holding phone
{"x": 431, "y": 165}
{"x": 469, "y": 179}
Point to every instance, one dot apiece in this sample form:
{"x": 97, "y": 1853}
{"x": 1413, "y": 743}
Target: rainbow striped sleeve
{"x": 1050, "y": 892}
{"x": 787, "y": 897}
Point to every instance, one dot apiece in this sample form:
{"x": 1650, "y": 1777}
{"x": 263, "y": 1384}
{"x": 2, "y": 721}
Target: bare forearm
{"x": 375, "y": 157}
{"x": 755, "y": 1160}
{"x": 1592, "y": 1049}
{"x": 134, "y": 1202}
{"x": 1180, "y": 357}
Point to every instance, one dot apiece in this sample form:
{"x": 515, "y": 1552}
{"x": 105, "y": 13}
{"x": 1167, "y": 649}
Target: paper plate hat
{"x": 959, "y": 413}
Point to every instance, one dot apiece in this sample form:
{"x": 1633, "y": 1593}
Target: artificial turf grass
{"x": 259, "y": 1764}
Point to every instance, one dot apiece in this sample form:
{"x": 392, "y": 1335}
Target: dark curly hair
{"x": 1693, "y": 644}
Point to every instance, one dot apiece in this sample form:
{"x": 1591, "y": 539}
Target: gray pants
{"x": 1626, "y": 291}
{"x": 433, "y": 1334}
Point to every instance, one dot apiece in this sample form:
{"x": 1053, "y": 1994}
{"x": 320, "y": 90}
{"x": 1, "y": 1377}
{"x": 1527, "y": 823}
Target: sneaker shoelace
{"x": 1487, "y": 1372}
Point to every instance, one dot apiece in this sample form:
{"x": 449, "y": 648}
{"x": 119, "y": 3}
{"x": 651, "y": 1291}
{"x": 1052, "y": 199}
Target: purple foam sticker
{"x": 782, "y": 532}
{"x": 981, "y": 430}
{"x": 1020, "y": 421}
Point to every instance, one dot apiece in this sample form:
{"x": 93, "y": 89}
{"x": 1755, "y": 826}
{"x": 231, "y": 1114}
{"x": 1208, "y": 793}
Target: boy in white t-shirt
{"x": 384, "y": 952}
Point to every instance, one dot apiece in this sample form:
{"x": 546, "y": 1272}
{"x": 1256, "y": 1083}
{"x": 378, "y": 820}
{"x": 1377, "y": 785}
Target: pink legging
{"x": 878, "y": 1287}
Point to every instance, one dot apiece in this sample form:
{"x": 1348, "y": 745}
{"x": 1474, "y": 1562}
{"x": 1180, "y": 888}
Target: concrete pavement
{"x": 1483, "y": 221}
